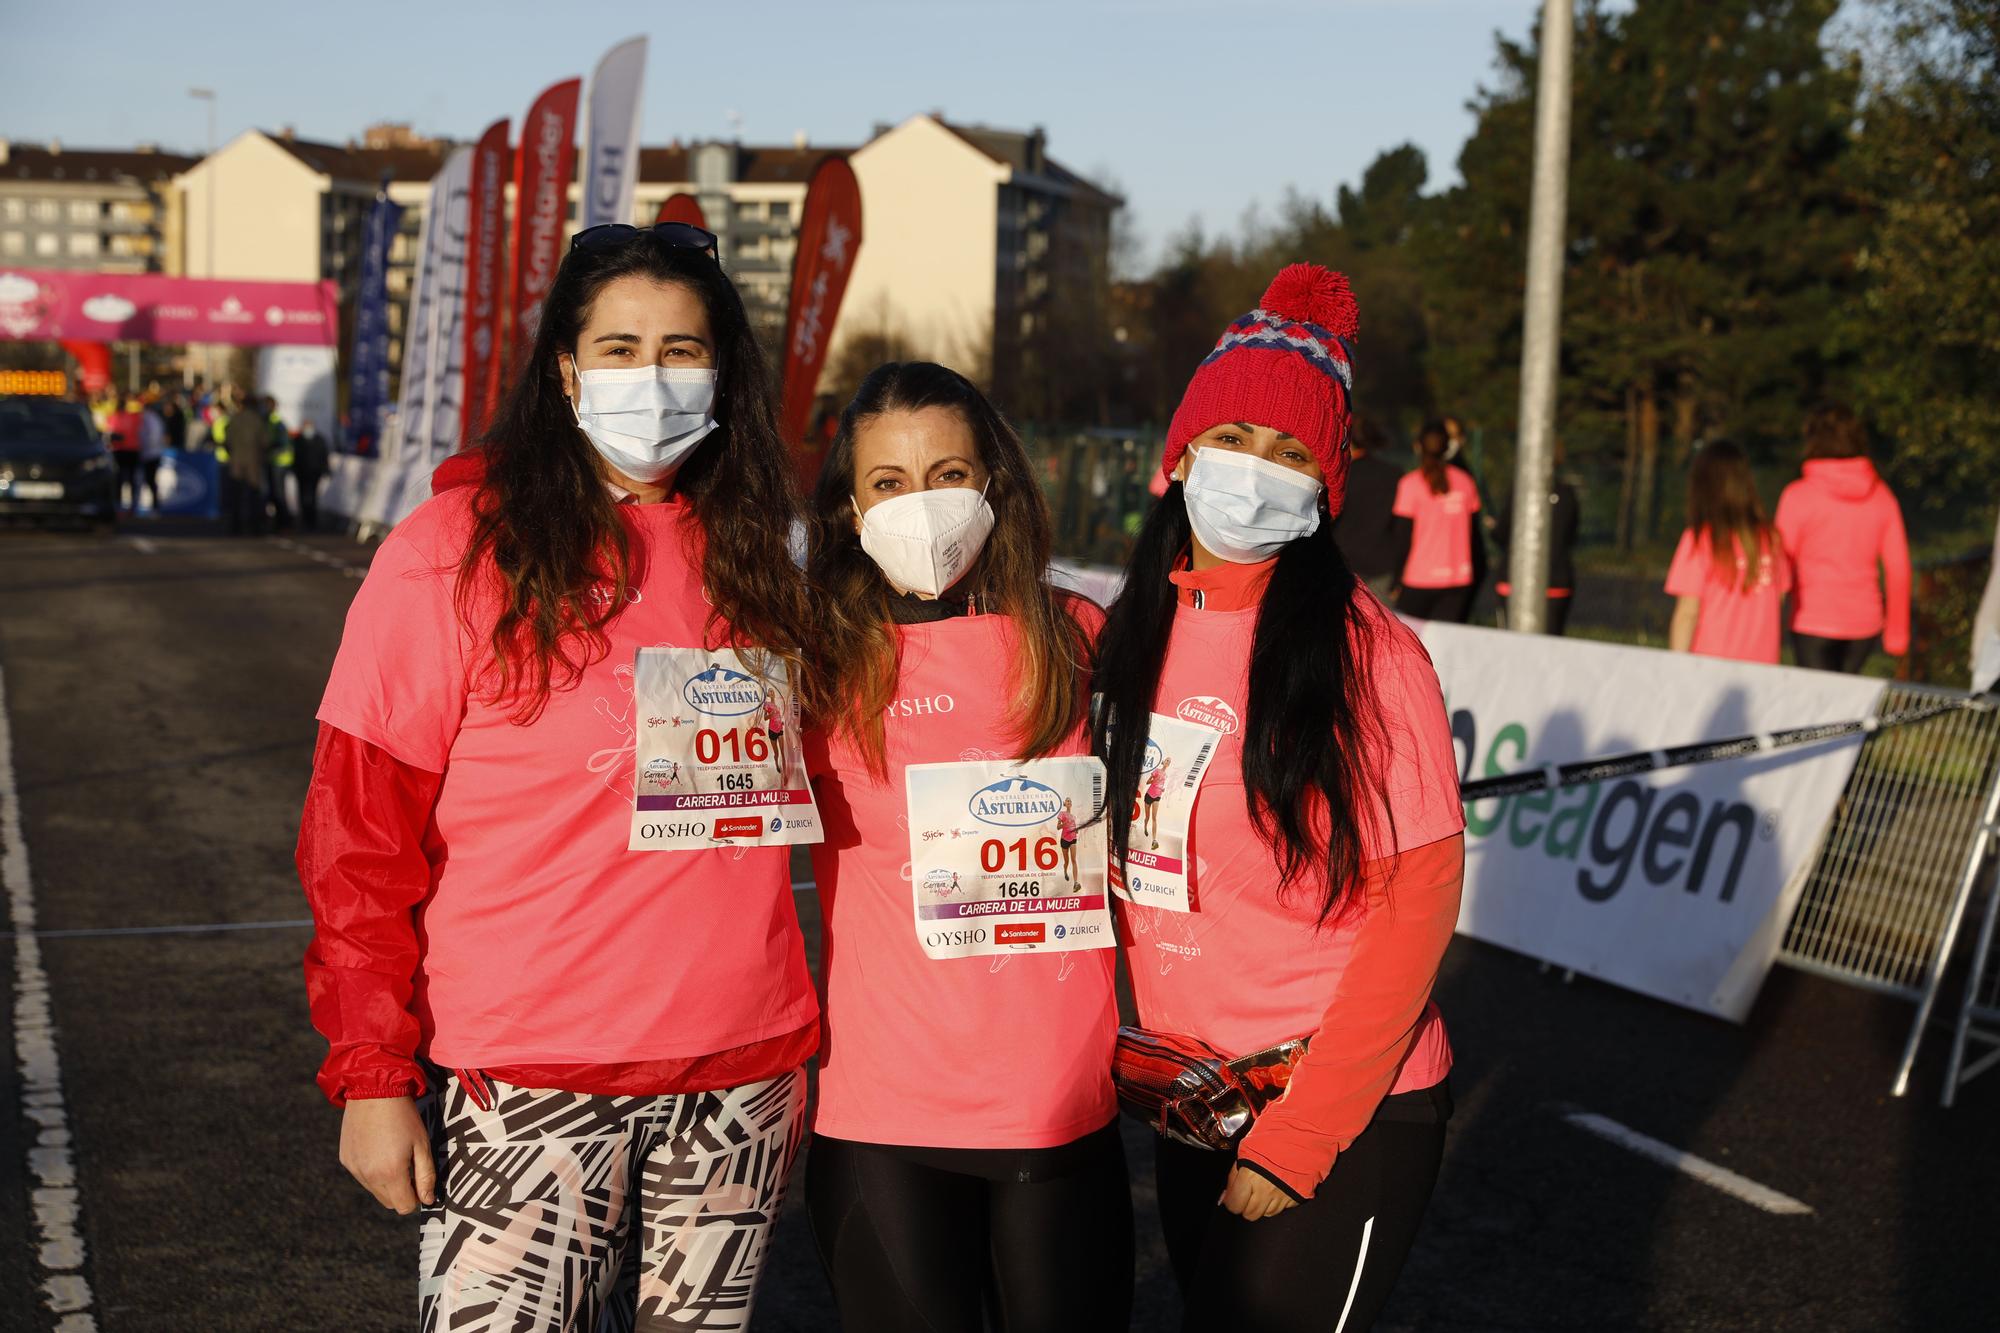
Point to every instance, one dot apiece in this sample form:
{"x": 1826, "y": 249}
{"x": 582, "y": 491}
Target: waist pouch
{"x": 1185, "y": 1090}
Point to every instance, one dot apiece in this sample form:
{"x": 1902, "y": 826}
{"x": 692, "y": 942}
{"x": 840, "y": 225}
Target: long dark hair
{"x": 854, "y": 649}
{"x": 547, "y": 531}
{"x": 1433, "y": 443}
{"x": 1312, "y": 727}
{"x": 1724, "y": 507}
{"x": 1831, "y": 431}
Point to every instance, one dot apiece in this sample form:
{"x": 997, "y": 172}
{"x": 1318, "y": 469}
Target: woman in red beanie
{"x": 1840, "y": 525}
{"x": 1324, "y": 842}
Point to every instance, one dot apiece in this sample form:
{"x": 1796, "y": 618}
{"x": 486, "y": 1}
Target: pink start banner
{"x": 46, "y": 304}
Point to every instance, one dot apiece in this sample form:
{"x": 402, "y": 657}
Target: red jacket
{"x": 1840, "y": 523}
{"x": 361, "y": 860}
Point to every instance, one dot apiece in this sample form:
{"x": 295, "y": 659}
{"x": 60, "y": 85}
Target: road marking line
{"x": 352, "y": 571}
{"x": 107, "y": 932}
{"x": 1707, "y": 1172}
{"x": 144, "y": 545}
{"x": 55, "y": 1194}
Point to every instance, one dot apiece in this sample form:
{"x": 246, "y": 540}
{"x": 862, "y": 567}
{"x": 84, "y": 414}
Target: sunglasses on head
{"x": 680, "y": 235}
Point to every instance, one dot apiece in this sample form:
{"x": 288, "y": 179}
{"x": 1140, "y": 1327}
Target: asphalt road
{"x": 161, "y": 693}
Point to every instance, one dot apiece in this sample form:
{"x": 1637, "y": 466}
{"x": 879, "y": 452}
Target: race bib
{"x": 718, "y": 754}
{"x": 1155, "y": 871}
{"x": 1008, "y": 857}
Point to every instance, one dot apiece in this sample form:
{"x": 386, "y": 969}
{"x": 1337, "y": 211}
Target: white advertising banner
{"x": 301, "y": 380}
{"x": 427, "y": 406}
{"x": 1676, "y": 884}
{"x": 611, "y": 135}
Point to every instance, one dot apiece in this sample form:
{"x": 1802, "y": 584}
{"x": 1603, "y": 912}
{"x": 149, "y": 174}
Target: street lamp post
{"x": 208, "y": 206}
{"x": 1541, "y": 334}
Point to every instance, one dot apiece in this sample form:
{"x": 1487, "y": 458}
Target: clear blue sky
{"x": 1197, "y": 108}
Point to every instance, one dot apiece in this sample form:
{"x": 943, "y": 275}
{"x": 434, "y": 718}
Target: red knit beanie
{"x": 1287, "y": 365}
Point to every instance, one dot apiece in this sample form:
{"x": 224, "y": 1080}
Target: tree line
{"x": 1766, "y": 212}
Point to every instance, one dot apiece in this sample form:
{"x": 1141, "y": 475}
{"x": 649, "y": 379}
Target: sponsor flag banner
{"x": 611, "y": 135}
{"x": 829, "y": 238}
{"x": 45, "y": 305}
{"x": 718, "y": 759}
{"x": 543, "y": 169}
{"x": 485, "y": 263}
{"x": 434, "y": 433}
{"x": 1008, "y": 857}
{"x": 368, "y": 363}
{"x": 682, "y": 207}
{"x": 1676, "y": 884}
{"x": 93, "y": 363}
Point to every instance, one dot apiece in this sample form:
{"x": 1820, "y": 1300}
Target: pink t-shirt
{"x": 544, "y": 940}
{"x": 1251, "y": 968}
{"x": 1440, "y": 528}
{"x": 994, "y": 1052}
{"x": 1735, "y": 621}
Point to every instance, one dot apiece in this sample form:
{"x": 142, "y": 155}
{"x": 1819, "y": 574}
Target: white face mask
{"x": 1245, "y": 509}
{"x": 926, "y": 540}
{"x": 645, "y": 419}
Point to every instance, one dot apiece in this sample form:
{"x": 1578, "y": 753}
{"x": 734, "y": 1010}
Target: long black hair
{"x": 854, "y": 653}
{"x": 1312, "y": 728}
{"x": 545, "y": 523}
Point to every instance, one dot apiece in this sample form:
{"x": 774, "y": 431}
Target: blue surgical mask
{"x": 1245, "y": 509}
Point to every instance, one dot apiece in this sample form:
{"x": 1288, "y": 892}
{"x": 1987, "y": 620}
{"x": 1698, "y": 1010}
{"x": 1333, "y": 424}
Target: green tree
{"x": 1711, "y": 237}
{"x": 1927, "y": 330}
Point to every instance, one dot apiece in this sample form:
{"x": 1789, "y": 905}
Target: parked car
{"x": 53, "y": 463}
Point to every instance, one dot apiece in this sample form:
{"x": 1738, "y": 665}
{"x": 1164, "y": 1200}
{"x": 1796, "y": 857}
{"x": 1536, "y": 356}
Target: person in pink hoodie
{"x": 1841, "y": 525}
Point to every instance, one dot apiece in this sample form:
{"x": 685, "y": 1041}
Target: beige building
{"x": 976, "y": 245}
{"x": 88, "y": 209}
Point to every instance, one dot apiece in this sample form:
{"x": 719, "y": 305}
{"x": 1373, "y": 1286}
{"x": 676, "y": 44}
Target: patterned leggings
{"x": 561, "y": 1212}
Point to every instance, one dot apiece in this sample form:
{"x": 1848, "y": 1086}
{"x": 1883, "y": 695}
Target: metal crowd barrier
{"x": 1887, "y": 892}
{"x": 1979, "y": 1013}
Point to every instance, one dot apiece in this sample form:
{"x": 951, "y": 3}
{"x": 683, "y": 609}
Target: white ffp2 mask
{"x": 926, "y": 540}
{"x": 645, "y": 419}
{"x": 1245, "y": 509}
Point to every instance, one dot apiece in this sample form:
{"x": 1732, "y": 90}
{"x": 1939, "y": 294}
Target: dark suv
{"x": 53, "y": 463}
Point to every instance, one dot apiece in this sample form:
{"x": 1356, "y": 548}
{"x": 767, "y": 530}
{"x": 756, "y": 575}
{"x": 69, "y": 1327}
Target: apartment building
{"x": 979, "y": 248}
{"x": 88, "y": 208}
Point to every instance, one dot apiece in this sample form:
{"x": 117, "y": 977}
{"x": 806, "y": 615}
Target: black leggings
{"x": 1327, "y": 1264}
{"x": 1453, "y": 604}
{"x": 933, "y": 1240}
{"x": 1848, "y": 655}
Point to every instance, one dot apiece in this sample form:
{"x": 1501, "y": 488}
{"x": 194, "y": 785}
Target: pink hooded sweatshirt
{"x": 1839, "y": 522}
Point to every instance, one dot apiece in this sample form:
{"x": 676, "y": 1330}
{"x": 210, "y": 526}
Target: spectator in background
{"x": 1439, "y": 499}
{"x": 152, "y": 448}
{"x": 1374, "y": 541}
{"x": 277, "y": 462}
{"x": 1843, "y": 530}
{"x": 1456, "y": 444}
{"x": 121, "y": 432}
{"x": 309, "y": 467}
{"x": 1563, "y": 517}
{"x": 1730, "y": 574}
{"x": 173, "y": 415}
{"x": 247, "y": 438}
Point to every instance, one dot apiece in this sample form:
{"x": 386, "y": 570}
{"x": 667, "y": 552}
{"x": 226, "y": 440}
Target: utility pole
{"x": 1541, "y": 342}
{"x": 208, "y": 206}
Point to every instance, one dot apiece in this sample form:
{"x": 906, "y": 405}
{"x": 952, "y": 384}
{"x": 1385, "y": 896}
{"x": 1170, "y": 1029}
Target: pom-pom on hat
{"x": 1288, "y": 365}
